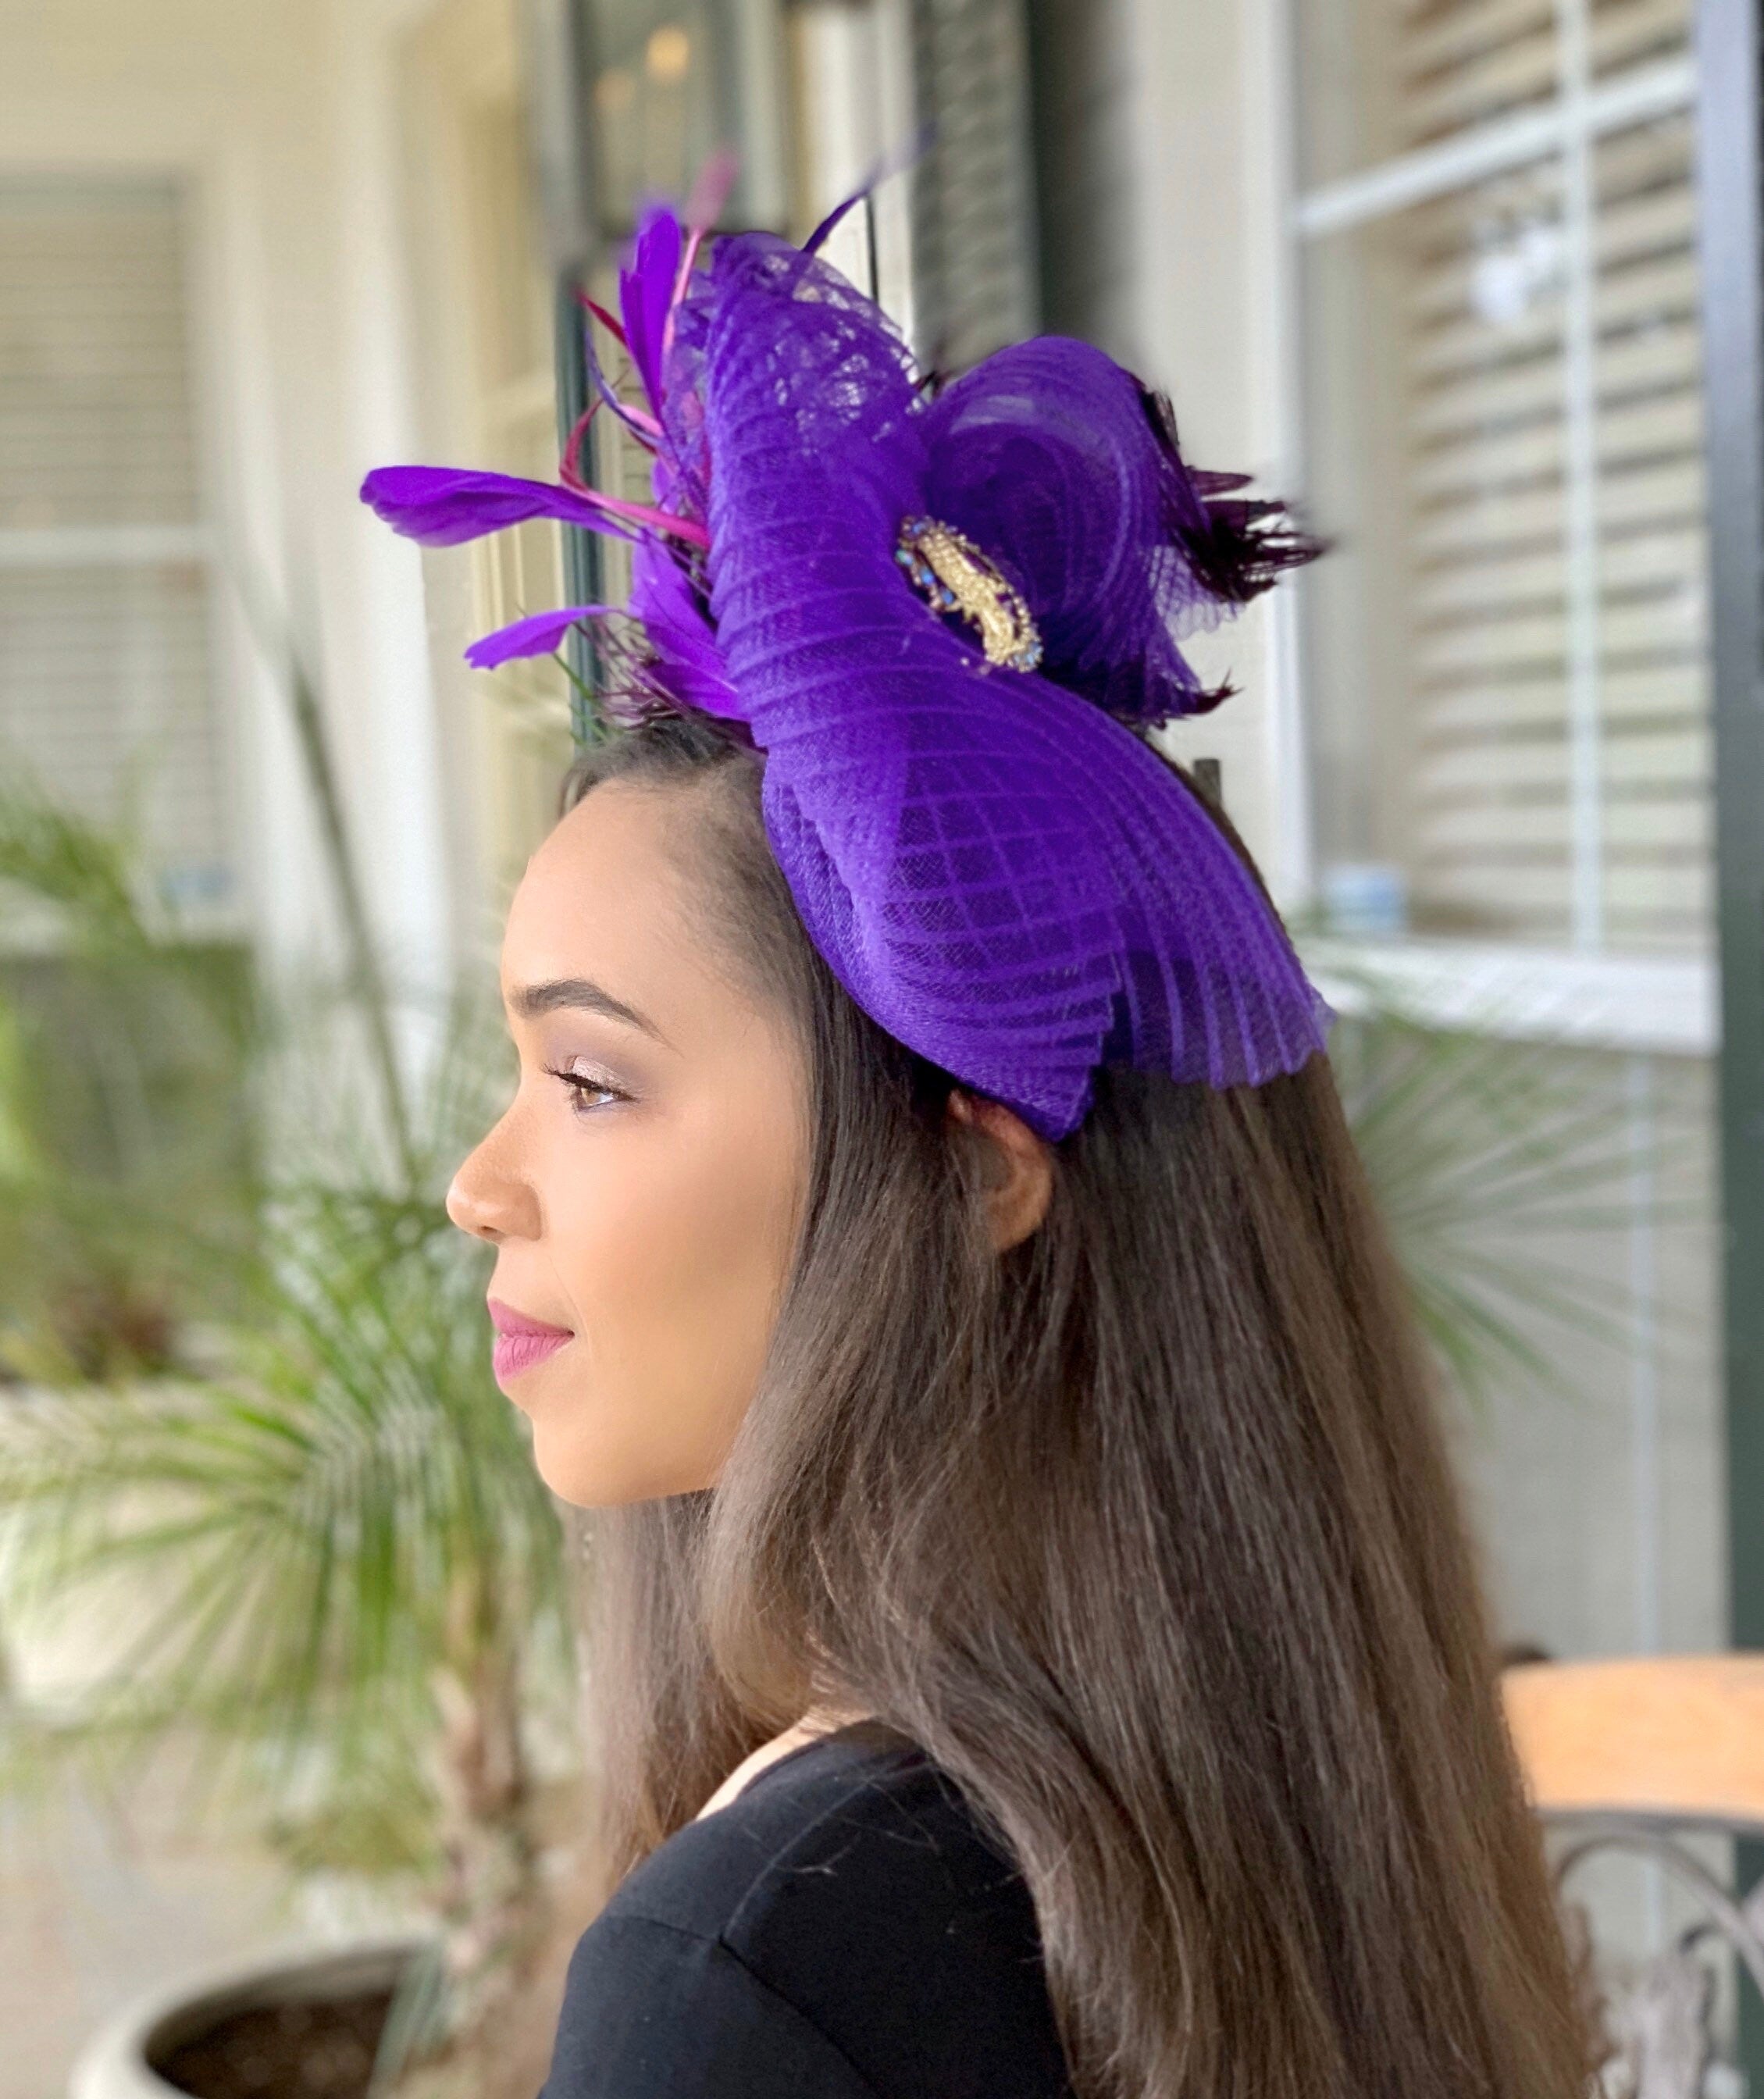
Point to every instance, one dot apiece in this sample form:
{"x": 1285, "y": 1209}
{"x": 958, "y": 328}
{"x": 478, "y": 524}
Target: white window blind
{"x": 106, "y": 692}
{"x": 1504, "y": 430}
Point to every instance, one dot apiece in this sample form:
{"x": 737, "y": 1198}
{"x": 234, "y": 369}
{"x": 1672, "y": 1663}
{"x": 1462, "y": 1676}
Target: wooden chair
{"x": 1631, "y": 1758}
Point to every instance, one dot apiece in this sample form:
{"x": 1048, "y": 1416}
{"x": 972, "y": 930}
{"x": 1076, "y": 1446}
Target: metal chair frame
{"x": 1655, "y": 2025}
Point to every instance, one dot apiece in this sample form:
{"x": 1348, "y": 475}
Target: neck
{"x": 820, "y": 1719}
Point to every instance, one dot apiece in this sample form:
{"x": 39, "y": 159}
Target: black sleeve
{"x": 652, "y": 2012}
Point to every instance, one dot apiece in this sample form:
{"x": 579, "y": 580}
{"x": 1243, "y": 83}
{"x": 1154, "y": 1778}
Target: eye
{"x": 583, "y": 1084}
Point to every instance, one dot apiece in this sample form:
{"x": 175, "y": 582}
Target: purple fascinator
{"x": 947, "y": 618}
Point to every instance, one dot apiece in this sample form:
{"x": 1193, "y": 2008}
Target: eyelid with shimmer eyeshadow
{"x": 582, "y": 1082}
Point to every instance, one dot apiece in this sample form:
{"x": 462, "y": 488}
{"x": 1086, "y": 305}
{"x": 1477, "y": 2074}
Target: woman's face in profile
{"x": 642, "y": 1188}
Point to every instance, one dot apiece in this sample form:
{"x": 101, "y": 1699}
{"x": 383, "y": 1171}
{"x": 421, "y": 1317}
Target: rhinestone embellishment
{"x": 952, "y": 575}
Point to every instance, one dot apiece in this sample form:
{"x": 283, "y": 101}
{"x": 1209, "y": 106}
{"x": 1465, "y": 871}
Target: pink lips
{"x": 522, "y": 1342}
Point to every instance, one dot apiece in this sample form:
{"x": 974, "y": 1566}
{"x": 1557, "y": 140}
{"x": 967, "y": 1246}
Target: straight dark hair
{"x": 1143, "y": 1530}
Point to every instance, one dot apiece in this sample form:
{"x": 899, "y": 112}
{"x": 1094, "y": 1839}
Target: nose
{"x": 488, "y": 1200}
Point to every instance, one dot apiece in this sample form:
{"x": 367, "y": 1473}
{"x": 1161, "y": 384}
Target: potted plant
{"x": 248, "y": 1409}
{"x": 305, "y": 2022}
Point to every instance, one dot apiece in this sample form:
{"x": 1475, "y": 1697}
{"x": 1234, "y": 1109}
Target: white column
{"x": 376, "y": 655}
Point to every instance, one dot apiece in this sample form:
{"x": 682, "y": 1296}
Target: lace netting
{"x": 1000, "y": 874}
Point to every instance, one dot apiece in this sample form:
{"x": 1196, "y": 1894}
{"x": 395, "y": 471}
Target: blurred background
{"x": 1475, "y": 282}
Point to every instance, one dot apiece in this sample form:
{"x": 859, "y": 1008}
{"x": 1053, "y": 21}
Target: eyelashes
{"x": 581, "y": 1085}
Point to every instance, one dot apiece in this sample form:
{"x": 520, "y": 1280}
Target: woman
{"x": 1038, "y": 1651}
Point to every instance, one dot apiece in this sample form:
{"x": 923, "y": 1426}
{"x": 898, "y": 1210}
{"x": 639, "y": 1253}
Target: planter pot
{"x": 118, "y": 2061}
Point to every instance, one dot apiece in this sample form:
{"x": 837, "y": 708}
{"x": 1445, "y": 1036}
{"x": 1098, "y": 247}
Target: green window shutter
{"x": 973, "y": 232}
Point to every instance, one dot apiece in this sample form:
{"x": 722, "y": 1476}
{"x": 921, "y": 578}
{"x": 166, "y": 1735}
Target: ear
{"x": 1020, "y": 1166}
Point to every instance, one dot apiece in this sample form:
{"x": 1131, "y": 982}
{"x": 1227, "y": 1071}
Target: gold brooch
{"x": 953, "y": 575}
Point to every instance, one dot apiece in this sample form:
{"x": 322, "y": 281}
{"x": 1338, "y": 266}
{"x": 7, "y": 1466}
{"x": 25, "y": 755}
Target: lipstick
{"x": 522, "y": 1342}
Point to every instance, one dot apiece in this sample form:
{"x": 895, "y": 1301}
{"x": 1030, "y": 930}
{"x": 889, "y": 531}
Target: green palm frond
{"x": 253, "y": 1457}
{"x": 55, "y": 857}
{"x": 127, "y": 1156}
{"x": 310, "y": 1534}
{"x": 1503, "y": 1169}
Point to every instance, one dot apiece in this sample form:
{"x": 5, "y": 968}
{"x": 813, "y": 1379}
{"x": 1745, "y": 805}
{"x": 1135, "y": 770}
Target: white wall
{"x": 279, "y": 115}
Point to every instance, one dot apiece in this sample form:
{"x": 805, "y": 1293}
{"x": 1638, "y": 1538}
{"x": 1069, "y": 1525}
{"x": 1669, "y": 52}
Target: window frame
{"x": 1730, "y": 229}
{"x": 1618, "y": 1001}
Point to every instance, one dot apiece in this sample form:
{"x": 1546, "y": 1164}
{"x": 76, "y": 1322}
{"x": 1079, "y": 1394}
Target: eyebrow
{"x": 531, "y": 1000}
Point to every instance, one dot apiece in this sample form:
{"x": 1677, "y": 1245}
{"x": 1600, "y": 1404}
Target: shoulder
{"x": 652, "y": 2012}
{"x": 860, "y": 1820}
{"x": 846, "y": 1907}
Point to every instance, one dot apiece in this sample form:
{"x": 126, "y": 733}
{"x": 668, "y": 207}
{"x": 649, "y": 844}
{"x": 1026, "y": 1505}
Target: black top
{"x": 841, "y": 1929}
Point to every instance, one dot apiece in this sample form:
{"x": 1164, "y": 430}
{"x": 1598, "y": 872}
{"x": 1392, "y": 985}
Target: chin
{"x": 582, "y": 1488}
{"x": 591, "y": 1479}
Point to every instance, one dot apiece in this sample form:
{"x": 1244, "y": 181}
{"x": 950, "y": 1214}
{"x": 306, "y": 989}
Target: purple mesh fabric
{"x": 1007, "y": 880}
{"x": 1060, "y": 464}
{"x": 1000, "y": 872}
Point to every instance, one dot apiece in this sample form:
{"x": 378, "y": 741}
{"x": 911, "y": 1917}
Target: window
{"x": 1506, "y": 658}
{"x": 675, "y": 78}
{"x": 106, "y": 690}
{"x": 823, "y": 94}
{"x": 487, "y": 342}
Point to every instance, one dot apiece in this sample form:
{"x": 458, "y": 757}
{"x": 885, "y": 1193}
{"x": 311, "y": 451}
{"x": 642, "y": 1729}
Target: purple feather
{"x": 646, "y": 287}
{"x": 688, "y": 664}
{"x": 443, "y": 506}
{"x": 538, "y": 635}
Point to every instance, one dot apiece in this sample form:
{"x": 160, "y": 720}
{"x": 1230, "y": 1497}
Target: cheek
{"x": 673, "y": 1242}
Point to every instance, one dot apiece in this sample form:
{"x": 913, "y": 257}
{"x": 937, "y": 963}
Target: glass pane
{"x": 1629, "y": 32}
{"x": 1435, "y": 675}
{"x": 674, "y": 80}
{"x": 1506, "y": 659}
{"x": 1381, "y": 77}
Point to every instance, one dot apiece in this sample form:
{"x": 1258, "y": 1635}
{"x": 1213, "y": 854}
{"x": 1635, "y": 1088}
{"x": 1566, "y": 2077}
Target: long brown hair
{"x": 1143, "y": 1530}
